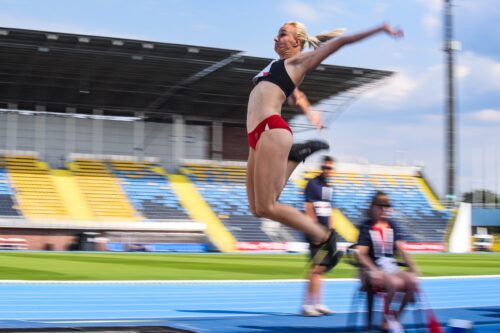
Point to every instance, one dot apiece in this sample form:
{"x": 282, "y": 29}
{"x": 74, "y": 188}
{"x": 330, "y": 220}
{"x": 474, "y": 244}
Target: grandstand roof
{"x": 116, "y": 75}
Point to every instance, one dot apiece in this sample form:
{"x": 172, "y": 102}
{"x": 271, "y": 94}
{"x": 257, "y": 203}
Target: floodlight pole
{"x": 449, "y": 48}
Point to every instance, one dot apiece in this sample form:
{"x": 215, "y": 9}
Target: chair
{"x": 365, "y": 290}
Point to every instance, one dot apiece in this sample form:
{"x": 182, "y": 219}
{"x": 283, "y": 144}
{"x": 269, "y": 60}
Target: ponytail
{"x": 315, "y": 41}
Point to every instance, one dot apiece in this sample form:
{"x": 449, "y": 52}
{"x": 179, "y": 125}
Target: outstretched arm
{"x": 299, "y": 99}
{"x": 310, "y": 60}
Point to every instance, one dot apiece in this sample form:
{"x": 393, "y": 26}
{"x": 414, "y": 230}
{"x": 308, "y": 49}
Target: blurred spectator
{"x": 318, "y": 197}
{"x": 379, "y": 241}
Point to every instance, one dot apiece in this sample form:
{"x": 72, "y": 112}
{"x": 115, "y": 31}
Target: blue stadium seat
{"x": 225, "y": 191}
{"x": 150, "y": 193}
{"x": 7, "y": 204}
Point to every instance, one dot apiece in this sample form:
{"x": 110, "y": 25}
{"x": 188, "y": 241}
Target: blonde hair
{"x": 314, "y": 41}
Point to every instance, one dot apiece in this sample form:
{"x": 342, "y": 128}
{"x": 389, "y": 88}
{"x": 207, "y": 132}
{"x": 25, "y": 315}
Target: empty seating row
{"x": 224, "y": 189}
{"x": 149, "y": 191}
{"x": 102, "y": 191}
{"x": 34, "y": 188}
{"x": 418, "y": 220}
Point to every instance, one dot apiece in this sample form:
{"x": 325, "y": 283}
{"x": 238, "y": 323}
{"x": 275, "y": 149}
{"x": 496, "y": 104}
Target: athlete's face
{"x": 285, "y": 42}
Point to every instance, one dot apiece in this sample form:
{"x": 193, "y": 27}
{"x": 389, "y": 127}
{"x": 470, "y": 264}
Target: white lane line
{"x": 100, "y": 321}
{"x": 451, "y": 277}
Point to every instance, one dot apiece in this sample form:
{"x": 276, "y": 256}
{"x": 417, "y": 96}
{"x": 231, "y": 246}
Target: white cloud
{"x": 484, "y": 72}
{"x": 417, "y": 138}
{"x": 462, "y": 71}
{"x": 323, "y": 11}
{"x": 394, "y": 92}
{"x": 487, "y": 115}
{"x": 329, "y": 9}
{"x": 300, "y": 11}
{"x": 433, "y": 118}
{"x": 433, "y": 5}
{"x": 425, "y": 88}
{"x": 431, "y": 20}
{"x": 431, "y": 23}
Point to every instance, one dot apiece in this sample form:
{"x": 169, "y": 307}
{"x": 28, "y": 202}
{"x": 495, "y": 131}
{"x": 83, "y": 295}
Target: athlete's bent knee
{"x": 263, "y": 211}
{"x": 253, "y": 211}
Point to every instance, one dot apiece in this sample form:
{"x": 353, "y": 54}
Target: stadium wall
{"x": 54, "y": 138}
{"x": 42, "y": 239}
{"x": 235, "y": 143}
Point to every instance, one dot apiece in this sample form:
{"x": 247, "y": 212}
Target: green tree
{"x": 481, "y": 196}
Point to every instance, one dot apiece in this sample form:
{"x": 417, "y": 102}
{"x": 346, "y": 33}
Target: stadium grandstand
{"x": 119, "y": 144}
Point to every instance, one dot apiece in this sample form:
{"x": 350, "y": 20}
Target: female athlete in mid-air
{"x": 272, "y": 158}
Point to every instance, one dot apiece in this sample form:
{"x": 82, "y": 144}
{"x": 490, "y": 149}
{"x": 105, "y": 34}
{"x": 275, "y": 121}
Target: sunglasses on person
{"x": 383, "y": 205}
{"x": 326, "y": 167}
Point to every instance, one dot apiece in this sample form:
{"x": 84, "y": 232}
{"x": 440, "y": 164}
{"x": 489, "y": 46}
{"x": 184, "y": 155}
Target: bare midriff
{"x": 265, "y": 100}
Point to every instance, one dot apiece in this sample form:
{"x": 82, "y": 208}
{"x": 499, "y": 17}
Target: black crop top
{"x": 276, "y": 73}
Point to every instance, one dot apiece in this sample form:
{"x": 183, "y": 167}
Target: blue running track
{"x": 263, "y": 307}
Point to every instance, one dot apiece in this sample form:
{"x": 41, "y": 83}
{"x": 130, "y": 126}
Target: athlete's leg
{"x": 299, "y": 152}
{"x": 270, "y": 172}
{"x": 290, "y": 168}
{"x": 250, "y": 181}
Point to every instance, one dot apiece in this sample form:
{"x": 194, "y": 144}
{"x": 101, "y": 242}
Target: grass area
{"x": 143, "y": 266}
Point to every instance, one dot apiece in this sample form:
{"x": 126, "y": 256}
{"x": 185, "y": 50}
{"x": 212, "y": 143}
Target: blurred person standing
{"x": 317, "y": 206}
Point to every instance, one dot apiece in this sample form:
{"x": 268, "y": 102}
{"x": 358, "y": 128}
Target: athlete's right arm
{"x": 310, "y": 60}
{"x": 299, "y": 99}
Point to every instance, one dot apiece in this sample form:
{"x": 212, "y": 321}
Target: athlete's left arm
{"x": 299, "y": 65}
{"x": 299, "y": 99}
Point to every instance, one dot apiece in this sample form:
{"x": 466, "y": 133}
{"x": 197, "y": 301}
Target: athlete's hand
{"x": 391, "y": 31}
{"x": 314, "y": 118}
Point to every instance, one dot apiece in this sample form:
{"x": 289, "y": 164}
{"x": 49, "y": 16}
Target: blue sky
{"x": 402, "y": 119}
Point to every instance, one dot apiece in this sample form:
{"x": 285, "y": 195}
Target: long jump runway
{"x": 227, "y": 306}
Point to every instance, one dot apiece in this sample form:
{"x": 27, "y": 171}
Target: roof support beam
{"x": 162, "y": 99}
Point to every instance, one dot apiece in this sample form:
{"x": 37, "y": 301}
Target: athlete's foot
{"x": 300, "y": 151}
{"x": 323, "y": 309}
{"x": 310, "y": 311}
